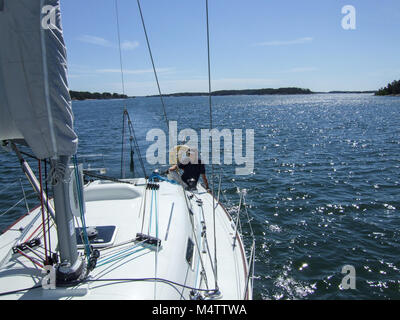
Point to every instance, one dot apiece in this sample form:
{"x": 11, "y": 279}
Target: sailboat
{"x": 141, "y": 238}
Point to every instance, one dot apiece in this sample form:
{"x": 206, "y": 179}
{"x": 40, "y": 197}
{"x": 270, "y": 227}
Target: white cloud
{"x": 95, "y": 40}
{"x": 138, "y": 71}
{"x": 286, "y": 42}
{"x": 129, "y": 45}
{"x": 300, "y": 69}
{"x": 99, "y": 41}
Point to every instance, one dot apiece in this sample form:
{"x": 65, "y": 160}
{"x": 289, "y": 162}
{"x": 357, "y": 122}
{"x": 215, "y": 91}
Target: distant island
{"x": 392, "y": 89}
{"x": 374, "y": 91}
{"x": 268, "y": 91}
{"x": 84, "y": 95}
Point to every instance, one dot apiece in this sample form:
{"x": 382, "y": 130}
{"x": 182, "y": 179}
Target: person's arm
{"x": 173, "y": 168}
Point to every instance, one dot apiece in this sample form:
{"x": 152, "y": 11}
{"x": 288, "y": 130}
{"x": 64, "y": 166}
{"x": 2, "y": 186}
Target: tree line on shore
{"x": 391, "y": 89}
{"x": 83, "y": 95}
{"x": 266, "y": 91}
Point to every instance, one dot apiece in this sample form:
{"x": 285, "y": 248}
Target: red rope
{"x": 31, "y": 259}
{"x": 42, "y": 205}
{"x": 47, "y": 206}
{"x": 33, "y": 232}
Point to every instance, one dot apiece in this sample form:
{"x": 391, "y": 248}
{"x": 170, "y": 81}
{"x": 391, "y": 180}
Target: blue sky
{"x": 254, "y": 44}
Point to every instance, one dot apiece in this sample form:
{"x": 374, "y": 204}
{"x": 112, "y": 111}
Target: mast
{"x": 35, "y": 105}
{"x": 71, "y": 267}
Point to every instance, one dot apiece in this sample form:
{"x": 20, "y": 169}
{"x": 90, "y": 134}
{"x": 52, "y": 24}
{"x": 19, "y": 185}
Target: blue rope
{"x": 118, "y": 253}
{"x": 156, "y": 211}
{"x": 157, "y": 176}
{"x": 151, "y": 210}
{"x": 121, "y": 257}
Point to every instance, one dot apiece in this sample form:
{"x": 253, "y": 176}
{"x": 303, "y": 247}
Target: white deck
{"x": 128, "y": 207}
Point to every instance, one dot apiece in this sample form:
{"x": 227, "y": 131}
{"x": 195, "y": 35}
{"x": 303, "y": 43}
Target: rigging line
{"x": 87, "y": 280}
{"x": 239, "y": 190}
{"x": 120, "y": 254}
{"x": 206, "y": 244}
{"x": 40, "y": 246}
{"x": 156, "y": 206}
{"x": 211, "y": 128}
{"x": 120, "y": 51}
{"x": 144, "y": 206}
{"x": 80, "y": 233}
{"x": 248, "y": 273}
{"x": 113, "y": 249}
{"x": 249, "y": 222}
{"x": 244, "y": 201}
{"x": 201, "y": 245}
{"x": 32, "y": 234}
{"x": 152, "y": 62}
{"x": 35, "y": 253}
{"x": 122, "y": 146}
{"x": 39, "y": 231}
{"x": 8, "y": 187}
{"x": 47, "y": 203}
{"x": 20, "y": 238}
{"x": 132, "y": 132}
{"x": 24, "y": 194}
{"x": 158, "y": 246}
{"x": 186, "y": 278}
{"x": 168, "y": 282}
{"x": 79, "y": 188}
{"x": 237, "y": 219}
{"x": 195, "y": 238}
{"x": 119, "y": 258}
{"x": 20, "y": 290}
{"x": 123, "y": 88}
{"x": 150, "y": 279}
{"x": 13, "y": 206}
{"x": 136, "y": 145}
{"x": 42, "y": 206}
{"x": 102, "y": 177}
{"x": 151, "y": 212}
{"x": 30, "y": 259}
{"x": 132, "y": 162}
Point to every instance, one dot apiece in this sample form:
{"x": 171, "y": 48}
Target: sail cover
{"x": 35, "y": 104}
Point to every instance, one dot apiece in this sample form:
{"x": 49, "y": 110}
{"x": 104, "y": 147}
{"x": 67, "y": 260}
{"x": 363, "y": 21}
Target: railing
{"x": 238, "y": 223}
{"x": 16, "y": 207}
{"x": 88, "y": 159}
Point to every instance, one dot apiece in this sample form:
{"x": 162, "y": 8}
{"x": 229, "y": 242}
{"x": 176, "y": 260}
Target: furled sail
{"x": 35, "y": 104}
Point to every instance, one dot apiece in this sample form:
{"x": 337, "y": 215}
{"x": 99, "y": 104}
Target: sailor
{"x": 192, "y": 169}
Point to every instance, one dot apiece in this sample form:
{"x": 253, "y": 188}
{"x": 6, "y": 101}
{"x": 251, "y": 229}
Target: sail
{"x": 35, "y": 104}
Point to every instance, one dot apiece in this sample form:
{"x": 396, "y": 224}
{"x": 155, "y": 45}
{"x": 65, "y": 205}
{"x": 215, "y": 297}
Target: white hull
{"x": 132, "y": 209}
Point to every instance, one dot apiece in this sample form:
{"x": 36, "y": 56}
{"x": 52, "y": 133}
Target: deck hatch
{"x": 105, "y": 236}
